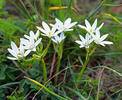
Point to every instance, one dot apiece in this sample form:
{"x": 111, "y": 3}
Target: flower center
{"x": 99, "y": 39}
{"x": 91, "y": 29}
{"x": 86, "y": 43}
{"x": 50, "y": 32}
{"x": 18, "y": 54}
{"x": 64, "y": 27}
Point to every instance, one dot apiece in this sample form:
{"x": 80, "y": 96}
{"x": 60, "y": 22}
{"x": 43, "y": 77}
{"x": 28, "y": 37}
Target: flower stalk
{"x": 88, "y": 55}
{"x": 44, "y": 70}
{"x": 60, "y": 51}
{"x": 43, "y": 62}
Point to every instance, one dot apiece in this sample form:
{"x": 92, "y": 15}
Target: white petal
{"x": 54, "y": 40}
{"x": 12, "y": 58}
{"x": 94, "y": 25}
{"x": 87, "y": 24}
{"x": 27, "y": 52}
{"x": 26, "y": 36}
{"x": 62, "y": 36}
{"x": 46, "y": 27}
{"x": 90, "y": 41}
{"x": 34, "y": 49}
{"x": 58, "y": 23}
{"x": 38, "y": 41}
{"x": 100, "y": 26}
{"x": 67, "y": 22}
{"x": 87, "y": 37}
{"x": 102, "y": 44}
{"x": 104, "y": 37}
{"x": 107, "y": 42}
{"x": 79, "y": 42}
{"x": 83, "y": 27}
{"x": 97, "y": 33}
{"x": 37, "y": 34}
{"x": 68, "y": 30}
{"x": 81, "y": 46}
{"x": 12, "y": 52}
{"x": 82, "y": 38}
{"x": 56, "y": 33}
{"x": 72, "y": 24}
{"x": 41, "y": 29}
{"x": 13, "y": 46}
{"x": 32, "y": 34}
{"x": 53, "y": 30}
{"x": 24, "y": 41}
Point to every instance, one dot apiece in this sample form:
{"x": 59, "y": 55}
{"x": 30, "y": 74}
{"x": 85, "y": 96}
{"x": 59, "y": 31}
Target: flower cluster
{"x": 56, "y": 33}
{"x": 93, "y": 35}
{"x": 53, "y": 31}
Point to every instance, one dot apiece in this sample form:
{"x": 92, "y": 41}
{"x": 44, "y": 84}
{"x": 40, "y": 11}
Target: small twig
{"x": 99, "y": 81}
{"x": 14, "y": 91}
{"x": 36, "y": 94}
{"x": 52, "y": 65}
{"x": 116, "y": 92}
{"x": 90, "y": 93}
{"x": 57, "y": 74}
{"x": 20, "y": 68}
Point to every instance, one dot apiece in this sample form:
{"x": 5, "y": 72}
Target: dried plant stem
{"x": 46, "y": 89}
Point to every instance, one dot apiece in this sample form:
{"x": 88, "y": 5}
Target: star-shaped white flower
{"x": 85, "y": 42}
{"x": 64, "y": 26}
{"x": 57, "y": 39}
{"x": 35, "y": 36}
{"x": 47, "y": 31}
{"x": 17, "y": 52}
{"x": 30, "y": 44}
{"x": 91, "y": 28}
{"x": 100, "y": 39}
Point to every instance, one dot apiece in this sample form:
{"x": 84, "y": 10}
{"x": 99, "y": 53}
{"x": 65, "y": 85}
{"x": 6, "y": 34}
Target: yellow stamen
{"x": 91, "y": 29}
{"x": 64, "y": 27}
{"x": 50, "y": 32}
{"x": 98, "y": 38}
{"x": 18, "y": 54}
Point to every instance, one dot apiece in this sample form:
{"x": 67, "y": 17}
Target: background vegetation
{"x": 18, "y": 17}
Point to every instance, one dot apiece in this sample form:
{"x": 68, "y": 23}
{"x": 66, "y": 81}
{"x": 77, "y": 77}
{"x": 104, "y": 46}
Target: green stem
{"x": 60, "y": 51}
{"x": 57, "y": 69}
{"x": 83, "y": 68}
{"x": 46, "y": 49}
{"x": 43, "y": 62}
{"x": 44, "y": 70}
{"x": 86, "y": 62}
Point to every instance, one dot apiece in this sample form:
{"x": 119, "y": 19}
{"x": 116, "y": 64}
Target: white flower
{"x": 89, "y": 28}
{"x": 57, "y": 39}
{"x": 100, "y": 39}
{"x": 30, "y": 44}
{"x": 47, "y": 31}
{"x": 64, "y": 26}
{"x": 85, "y": 42}
{"x": 17, "y": 52}
{"x": 35, "y": 36}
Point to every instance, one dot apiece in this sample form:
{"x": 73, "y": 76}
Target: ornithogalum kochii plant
{"x": 56, "y": 34}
